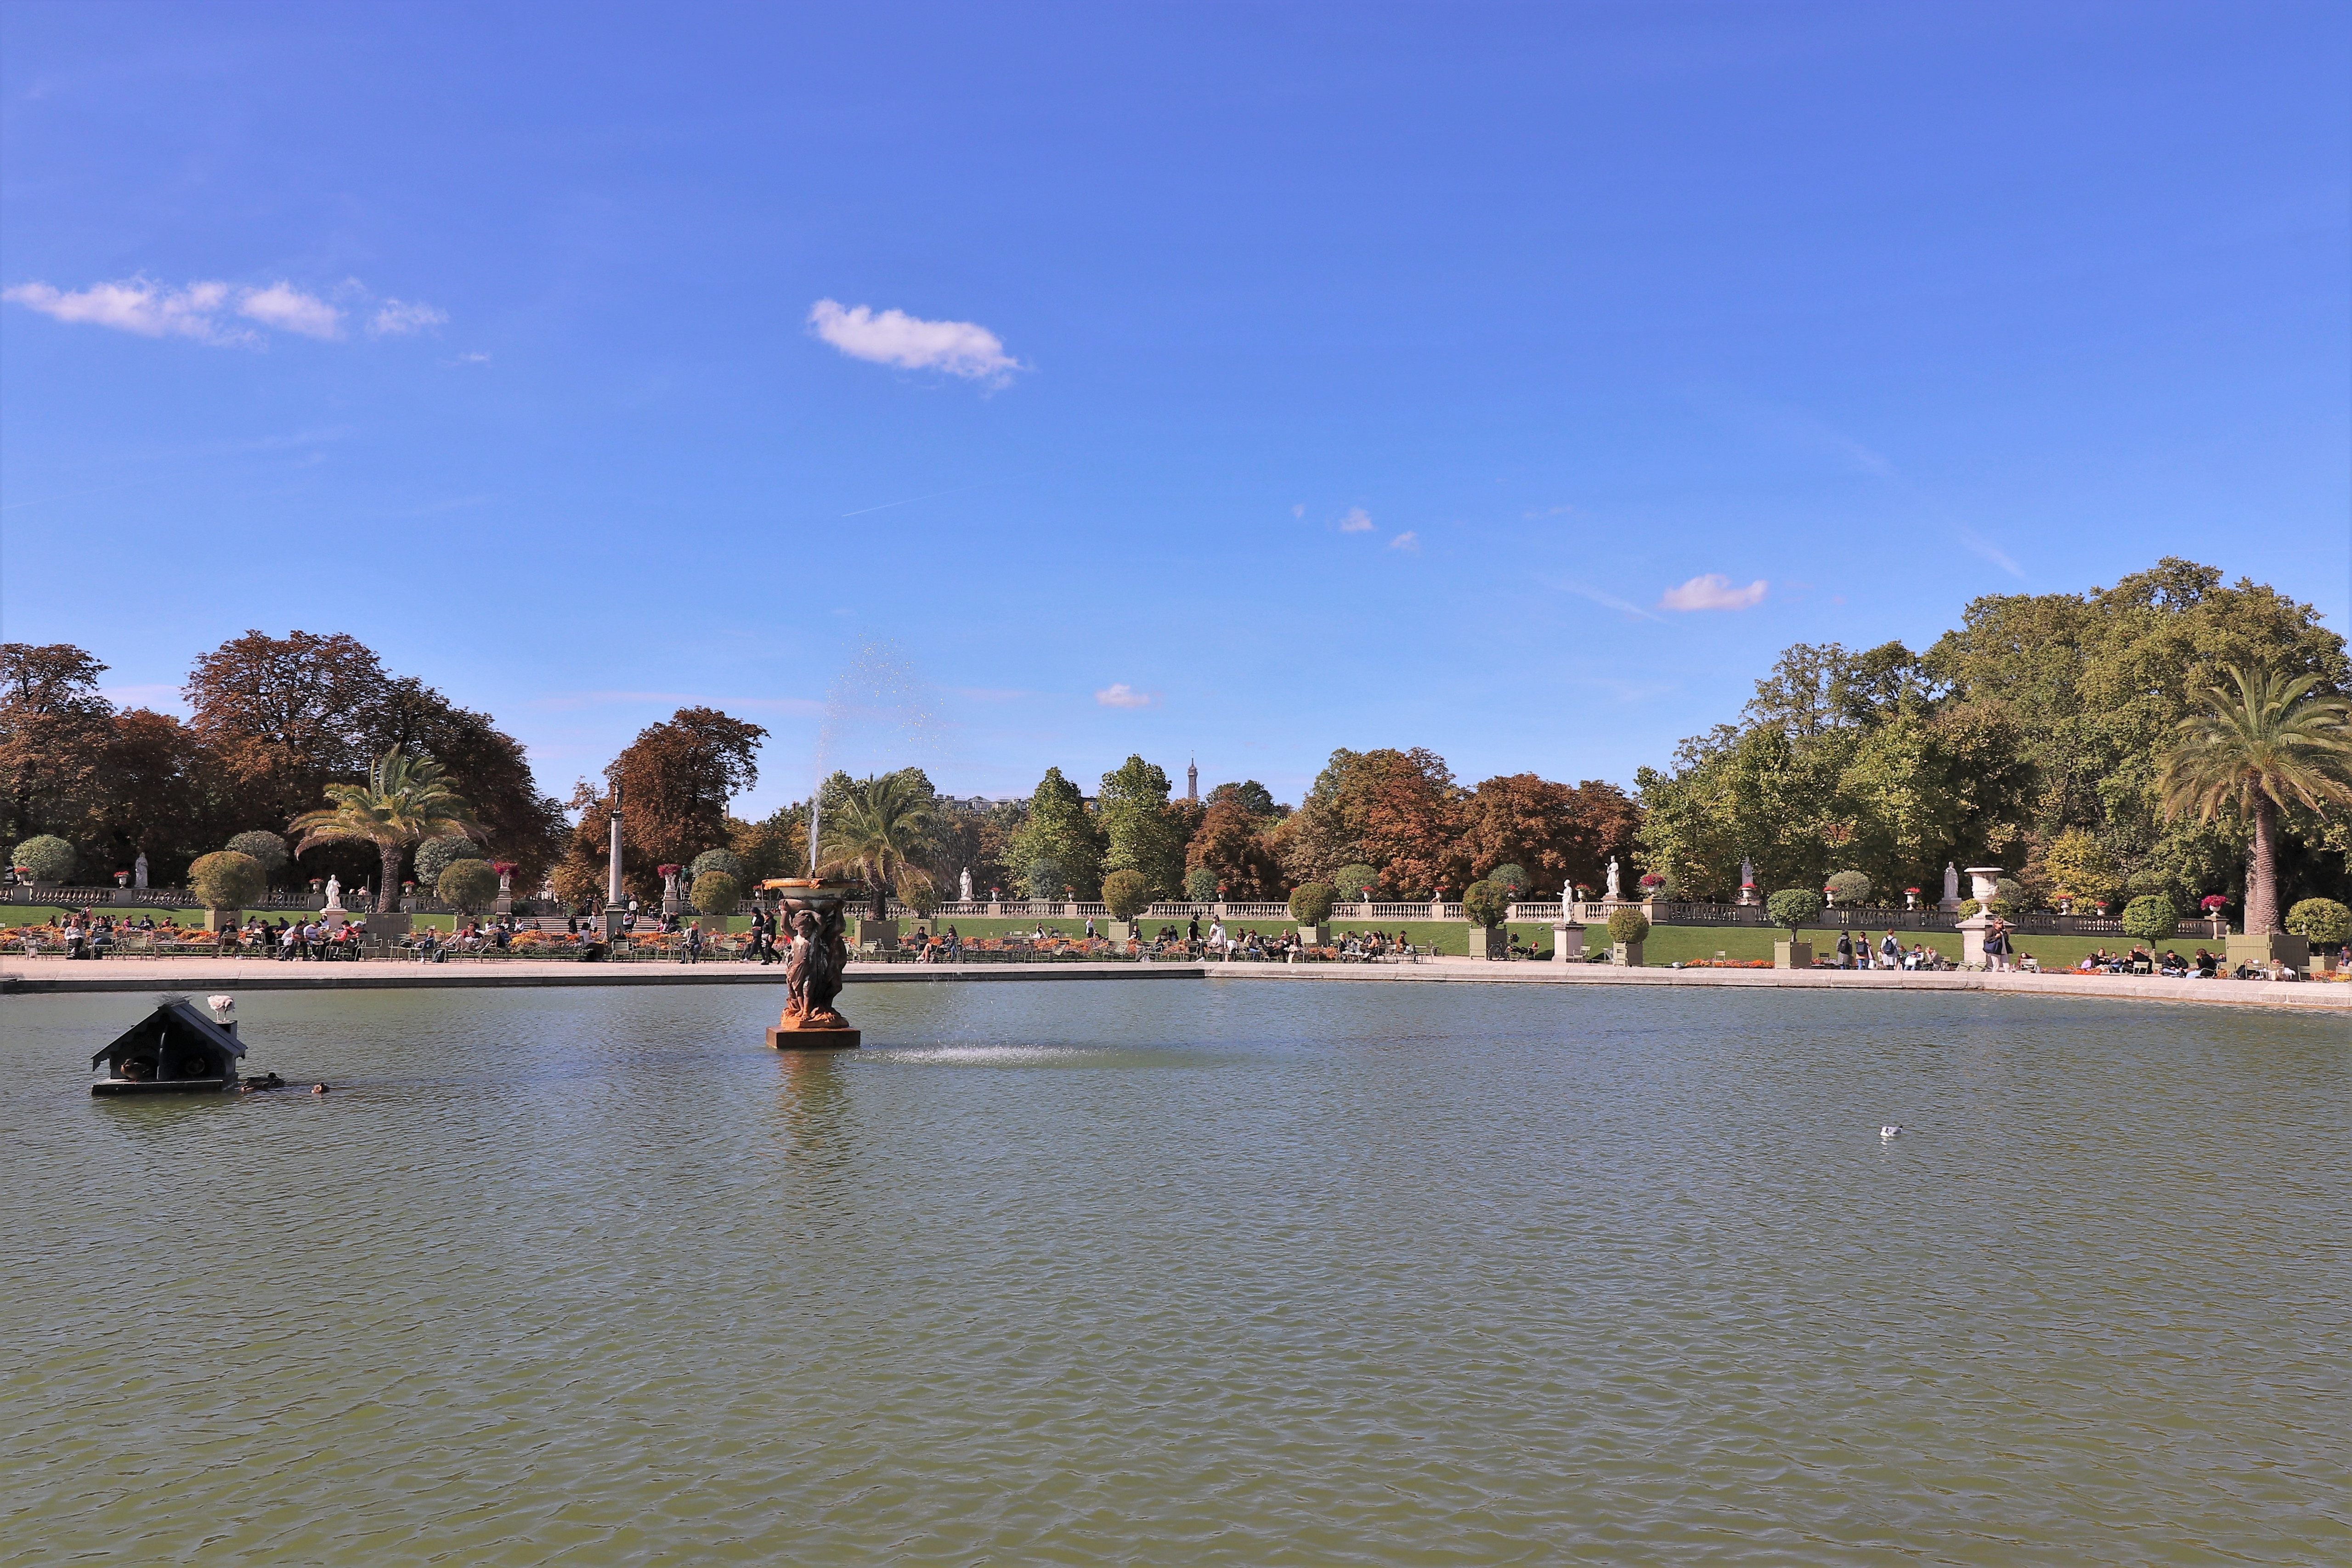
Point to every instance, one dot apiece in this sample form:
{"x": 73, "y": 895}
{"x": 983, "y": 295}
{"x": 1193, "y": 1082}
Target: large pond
{"x": 1186, "y": 1272}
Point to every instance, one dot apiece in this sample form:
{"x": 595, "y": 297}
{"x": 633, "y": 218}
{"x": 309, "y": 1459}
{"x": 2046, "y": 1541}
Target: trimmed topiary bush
{"x": 1792, "y": 909}
{"x": 225, "y": 879}
{"x": 469, "y": 884}
{"x": 716, "y": 893}
{"x": 1513, "y": 880}
{"x": 1353, "y": 879}
{"x": 1310, "y": 902}
{"x": 1201, "y": 884}
{"x": 1486, "y": 904}
{"x": 435, "y": 856}
{"x": 1850, "y": 887}
{"x": 725, "y": 860}
{"x": 264, "y": 850}
{"x": 48, "y": 857}
{"x": 2320, "y": 921}
{"x": 1126, "y": 893}
{"x": 2150, "y": 919}
{"x": 1628, "y": 925}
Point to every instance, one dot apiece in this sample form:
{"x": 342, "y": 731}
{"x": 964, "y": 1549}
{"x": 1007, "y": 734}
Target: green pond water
{"x": 1186, "y": 1272}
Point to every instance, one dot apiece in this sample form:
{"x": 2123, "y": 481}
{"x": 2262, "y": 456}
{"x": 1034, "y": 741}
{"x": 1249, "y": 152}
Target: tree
{"x": 469, "y": 884}
{"x": 1792, "y": 909}
{"x": 878, "y": 834}
{"x": 264, "y": 850}
{"x": 1230, "y": 851}
{"x": 1512, "y": 879}
{"x": 1356, "y": 880}
{"x": 1554, "y": 834}
{"x": 55, "y": 728}
{"x": 405, "y": 800}
{"x": 1395, "y": 810}
{"x": 1127, "y": 893}
{"x": 1486, "y": 904}
{"x": 721, "y": 860}
{"x": 225, "y": 879}
{"x": 716, "y": 893}
{"x": 2323, "y": 921}
{"x": 435, "y": 856}
{"x": 1310, "y": 903}
{"x": 677, "y": 778}
{"x": 48, "y": 857}
{"x": 1254, "y": 798}
{"x": 1849, "y": 886}
{"x": 1628, "y": 925}
{"x": 2151, "y": 919}
{"x": 2075, "y": 864}
{"x": 1139, "y": 833}
{"x": 1201, "y": 884}
{"x": 2274, "y": 742}
{"x": 1059, "y": 829}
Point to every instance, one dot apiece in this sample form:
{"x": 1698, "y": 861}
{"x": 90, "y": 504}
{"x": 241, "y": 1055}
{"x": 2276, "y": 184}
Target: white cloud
{"x": 472, "y": 356}
{"x": 1358, "y": 521}
{"x": 1122, "y": 695}
{"x": 134, "y": 305}
{"x": 1298, "y": 510}
{"x": 1713, "y": 592}
{"x": 958, "y": 348}
{"x": 1408, "y": 540}
{"x": 398, "y": 318}
{"x": 287, "y": 308}
{"x": 203, "y": 311}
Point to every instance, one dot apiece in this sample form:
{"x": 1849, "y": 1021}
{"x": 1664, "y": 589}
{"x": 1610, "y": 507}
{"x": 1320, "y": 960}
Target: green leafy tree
{"x": 1793, "y": 909}
{"x": 2151, "y": 919}
{"x": 1201, "y": 884}
{"x": 2271, "y": 742}
{"x": 723, "y": 860}
{"x": 880, "y": 835}
{"x": 267, "y": 849}
{"x": 1140, "y": 833}
{"x": 2076, "y": 864}
{"x": 1849, "y": 886}
{"x": 2321, "y": 920}
{"x": 1486, "y": 903}
{"x": 1060, "y": 829}
{"x": 48, "y": 857}
{"x": 435, "y": 856}
{"x": 1044, "y": 879}
{"x": 1357, "y": 880}
{"x": 225, "y": 879}
{"x": 1512, "y": 879}
{"x": 405, "y": 801}
{"x": 1310, "y": 903}
{"x": 1126, "y": 893}
{"x": 716, "y": 893}
{"x": 469, "y": 884}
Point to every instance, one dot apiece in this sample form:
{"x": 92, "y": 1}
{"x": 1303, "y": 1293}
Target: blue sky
{"x": 1266, "y": 379}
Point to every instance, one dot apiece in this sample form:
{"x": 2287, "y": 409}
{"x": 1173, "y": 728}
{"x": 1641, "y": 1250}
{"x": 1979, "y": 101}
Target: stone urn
{"x": 809, "y": 918}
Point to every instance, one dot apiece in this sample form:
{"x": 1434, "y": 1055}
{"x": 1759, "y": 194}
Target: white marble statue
{"x": 1568, "y": 898}
{"x": 1951, "y": 883}
{"x": 334, "y": 891}
{"x": 964, "y": 886}
{"x": 138, "y": 870}
{"x": 1612, "y": 878}
{"x": 1747, "y": 872}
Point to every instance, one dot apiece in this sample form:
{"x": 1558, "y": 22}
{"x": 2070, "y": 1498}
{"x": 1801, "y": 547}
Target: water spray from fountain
{"x": 878, "y": 687}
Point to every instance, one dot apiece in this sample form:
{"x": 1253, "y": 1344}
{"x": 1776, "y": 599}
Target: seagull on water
{"x": 1890, "y": 1130}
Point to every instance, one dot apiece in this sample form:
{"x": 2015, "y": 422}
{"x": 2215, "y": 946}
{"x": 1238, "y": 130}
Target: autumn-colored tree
{"x": 1411, "y": 821}
{"x": 1231, "y": 847}
{"x": 676, "y": 779}
{"x": 1557, "y": 833}
{"x": 54, "y": 729}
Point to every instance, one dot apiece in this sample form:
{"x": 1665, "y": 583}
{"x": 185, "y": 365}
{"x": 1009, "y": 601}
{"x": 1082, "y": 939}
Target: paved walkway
{"x": 198, "y": 975}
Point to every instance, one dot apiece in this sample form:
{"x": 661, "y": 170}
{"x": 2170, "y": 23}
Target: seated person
{"x": 2025, "y": 961}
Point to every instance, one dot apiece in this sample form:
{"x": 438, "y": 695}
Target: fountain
{"x": 810, "y": 909}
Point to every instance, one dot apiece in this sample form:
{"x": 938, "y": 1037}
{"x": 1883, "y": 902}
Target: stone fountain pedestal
{"x": 810, "y": 914}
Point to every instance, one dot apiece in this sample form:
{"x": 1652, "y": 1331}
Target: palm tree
{"x": 2271, "y": 742}
{"x": 405, "y": 800}
{"x": 877, "y": 833}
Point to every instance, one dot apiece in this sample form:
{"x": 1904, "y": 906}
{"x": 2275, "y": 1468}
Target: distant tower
{"x": 1192, "y": 781}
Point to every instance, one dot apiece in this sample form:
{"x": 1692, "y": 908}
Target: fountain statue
{"x": 811, "y": 909}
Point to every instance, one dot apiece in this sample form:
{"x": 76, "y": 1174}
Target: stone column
{"x": 1567, "y": 941}
{"x": 616, "y": 901}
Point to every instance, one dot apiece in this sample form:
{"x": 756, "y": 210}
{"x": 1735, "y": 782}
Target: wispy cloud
{"x": 1544, "y": 511}
{"x": 1713, "y": 592}
{"x": 800, "y": 706}
{"x": 289, "y": 309}
{"x": 399, "y": 318}
{"x": 1990, "y": 551}
{"x": 1298, "y": 510}
{"x": 1408, "y": 540}
{"x": 1122, "y": 695}
{"x": 1358, "y": 521}
{"x": 475, "y": 356}
{"x": 958, "y": 348}
{"x": 212, "y": 312}
{"x": 1606, "y": 601}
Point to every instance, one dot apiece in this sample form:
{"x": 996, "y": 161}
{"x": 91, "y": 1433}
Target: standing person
{"x": 1193, "y": 931}
{"x": 1845, "y": 950}
{"x": 1997, "y": 944}
{"x": 1091, "y": 927}
{"x": 1891, "y": 952}
{"x": 694, "y": 943}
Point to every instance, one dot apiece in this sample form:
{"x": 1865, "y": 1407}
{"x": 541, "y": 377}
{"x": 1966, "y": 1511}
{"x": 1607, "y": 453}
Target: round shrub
{"x": 1792, "y": 909}
{"x": 264, "y": 850}
{"x": 2150, "y": 919}
{"x": 1486, "y": 903}
{"x": 1628, "y": 925}
{"x": 47, "y": 856}
{"x": 1126, "y": 893}
{"x": 1310, "y": 903}
{"x": 225, "y": 879}
{"x": 2321, "y": 920}
{"x": 2008, "y": 893}
{"x": 469, "y": 884}
{"x": 1354, "y": 878}
{"x": 1201, "y": 884}
{"x": 725, "y": 860}
{"x": 1968, "y": 907}
{"x": 1513, "y": 880}
{"x": 435, "y": 856}
{"x": 1850, "y": 887}
{"x": 716, "y": 893}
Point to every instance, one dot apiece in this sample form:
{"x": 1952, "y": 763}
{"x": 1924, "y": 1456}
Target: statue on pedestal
{"x": 334, "y": 891}
{"x": 1613, "y": 879}
{"x": 138, "y": 870}
{"x": 964, "y": 886}
{"x": 1951, "y": 886}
